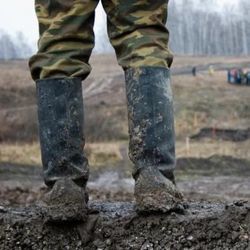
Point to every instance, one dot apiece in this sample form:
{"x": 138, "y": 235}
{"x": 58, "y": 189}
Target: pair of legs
{"x": 137, "y": 32}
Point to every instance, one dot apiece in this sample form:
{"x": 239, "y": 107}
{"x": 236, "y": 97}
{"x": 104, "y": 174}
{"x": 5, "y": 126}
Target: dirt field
{"x": 213, "y": 167}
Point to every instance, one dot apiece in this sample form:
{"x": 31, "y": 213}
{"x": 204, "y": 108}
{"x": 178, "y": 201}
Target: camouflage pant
{"x": 136, "y": 30}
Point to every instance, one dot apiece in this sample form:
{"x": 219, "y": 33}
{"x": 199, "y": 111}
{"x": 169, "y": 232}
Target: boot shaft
{"x": 151, "y": 120}
{"x": 60, "y": 115}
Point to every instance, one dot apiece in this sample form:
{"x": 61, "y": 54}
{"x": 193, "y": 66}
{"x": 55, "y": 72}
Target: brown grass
{"x": 106, "y": 155}
{"x": 99, "y": 154}
{"x": 202, "y": 101}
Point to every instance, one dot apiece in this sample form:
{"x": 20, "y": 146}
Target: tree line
{"x": 14, "y": 47}
{"x": 196, "y": 28}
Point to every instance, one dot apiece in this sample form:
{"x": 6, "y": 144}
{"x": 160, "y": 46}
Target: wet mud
{"x": 235, "y": 135}
{"x": 117, "y": 226}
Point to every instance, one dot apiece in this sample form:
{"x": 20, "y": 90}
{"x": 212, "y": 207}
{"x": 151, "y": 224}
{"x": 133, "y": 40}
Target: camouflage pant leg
{"x": 66, "y": 38}
{"x": 137, "y": 32}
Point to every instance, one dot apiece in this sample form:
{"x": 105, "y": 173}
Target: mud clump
{"x": 117, "y": 226}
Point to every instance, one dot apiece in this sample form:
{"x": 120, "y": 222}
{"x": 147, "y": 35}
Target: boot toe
{"x": 66, "y": 202}
{"x": 155, "y": 193}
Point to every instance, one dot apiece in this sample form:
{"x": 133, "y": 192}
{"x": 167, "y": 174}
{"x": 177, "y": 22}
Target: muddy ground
{"x": 216, "y": 215}
{"x": 203, "y": 225}
{"x": 213, "y": 167}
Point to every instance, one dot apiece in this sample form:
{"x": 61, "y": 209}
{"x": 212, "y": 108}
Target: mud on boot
{"x": 155, "y": 193}
{"x": 65, "y": 202}
{"x": 65, "y": 167}
{"x": 152, "y": 138}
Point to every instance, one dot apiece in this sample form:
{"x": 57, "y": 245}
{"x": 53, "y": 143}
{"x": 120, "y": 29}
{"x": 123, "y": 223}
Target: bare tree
{"x": 14, "y": 47}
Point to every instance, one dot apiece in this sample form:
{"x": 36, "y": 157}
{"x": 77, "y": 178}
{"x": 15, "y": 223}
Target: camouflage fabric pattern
{"x": 136, "y": 30}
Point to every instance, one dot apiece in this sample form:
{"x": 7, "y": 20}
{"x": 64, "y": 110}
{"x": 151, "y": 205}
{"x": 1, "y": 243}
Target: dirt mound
{"x": 117, "y": 226}
{"x": 235, "y": 135}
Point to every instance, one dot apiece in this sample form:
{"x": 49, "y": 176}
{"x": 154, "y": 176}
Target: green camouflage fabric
{"x": 136, "y": 30}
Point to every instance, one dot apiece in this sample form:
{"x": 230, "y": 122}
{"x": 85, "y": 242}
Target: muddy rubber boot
{"x": 65, "y": 168}
{"x": 152, "y": 139}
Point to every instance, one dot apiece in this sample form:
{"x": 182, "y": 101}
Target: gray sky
{"x": 19, "y": 15}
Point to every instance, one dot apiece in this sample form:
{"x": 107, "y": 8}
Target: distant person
{"x": 138, "y": 34}
{"x": 235, "y": 75}
{"x": 239, "y": 74}
{"x": 248, "y": 78}
{"x": 194, "y": 71}
{"x": 242, "y": 76}
{"x": 211, "y": 70}
{"x": 229, "y": 76}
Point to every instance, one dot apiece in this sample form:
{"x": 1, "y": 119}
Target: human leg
{"x": 66, "y": 38}
{"x": 61, "y": 63}
{"x": 138, "y": 33}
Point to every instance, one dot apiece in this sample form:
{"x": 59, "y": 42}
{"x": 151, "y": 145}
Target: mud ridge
{"x": 117, "y": 226}
{"x": 235, "y": 135}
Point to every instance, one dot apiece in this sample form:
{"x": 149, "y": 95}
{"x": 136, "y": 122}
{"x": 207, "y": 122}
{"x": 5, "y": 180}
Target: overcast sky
{"x": 19, "y": 15}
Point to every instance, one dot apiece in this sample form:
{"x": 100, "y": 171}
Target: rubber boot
{"x": 65, "y": 168}
{"x": 152, "y": 139}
